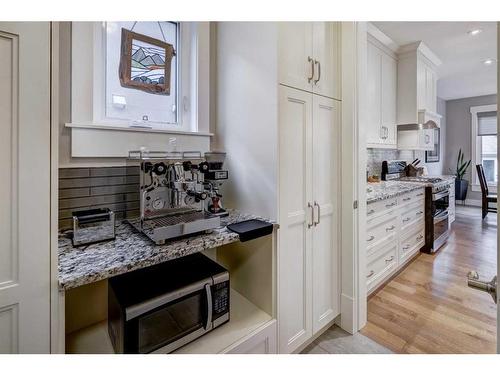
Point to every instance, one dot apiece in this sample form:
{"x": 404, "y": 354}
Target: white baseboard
{"x": 347, "y": 311}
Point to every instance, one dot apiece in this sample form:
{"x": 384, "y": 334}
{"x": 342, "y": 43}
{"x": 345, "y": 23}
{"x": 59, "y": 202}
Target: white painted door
{"x": 326, "y": 55}
{"x": 295, "y": 217}
{"x": 374, "y": 81}
{"x": 388, "y": 98}
{"x": 24, "y": 187}
{"x": 325, "y": 278}
{"x": 295, "y": 54}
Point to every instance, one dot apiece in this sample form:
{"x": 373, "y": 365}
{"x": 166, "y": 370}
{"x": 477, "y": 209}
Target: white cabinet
{"x": 395, "y": 233}
{"x": 382, "y": 99}
{"x": 263, "y": 341}
{"x": 308, "y": 296}
{"x": 417, "y": 102}
{"x": 309, "y": 56}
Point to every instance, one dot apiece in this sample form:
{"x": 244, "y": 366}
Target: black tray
{"x": 251, "y": 229}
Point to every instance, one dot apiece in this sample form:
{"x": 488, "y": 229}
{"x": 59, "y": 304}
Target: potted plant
{"x": 461, "y": 184}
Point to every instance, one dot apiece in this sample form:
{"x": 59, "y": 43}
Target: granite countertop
{"x": 132, "y": 250}
{"x": 377, "y": 191}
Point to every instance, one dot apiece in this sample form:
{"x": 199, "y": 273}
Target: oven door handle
{"x": 440, "y": 195}
{"x": 441, "y": 217}
{"x": 208, "y": 324}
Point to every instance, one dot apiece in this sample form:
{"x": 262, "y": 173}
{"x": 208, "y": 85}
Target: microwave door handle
{"x": 208, "y": 290}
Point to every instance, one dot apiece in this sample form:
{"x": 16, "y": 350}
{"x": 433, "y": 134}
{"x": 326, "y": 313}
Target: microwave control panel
{"x": 220, "y": 294}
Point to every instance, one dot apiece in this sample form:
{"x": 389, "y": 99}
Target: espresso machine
{"x": 178, "y": 191}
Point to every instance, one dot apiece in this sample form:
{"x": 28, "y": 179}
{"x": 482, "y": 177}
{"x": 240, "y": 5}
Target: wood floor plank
{"x": 428, "y": 307}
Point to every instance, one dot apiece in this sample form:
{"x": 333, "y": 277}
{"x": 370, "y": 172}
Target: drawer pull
{"x": 372, "y": 211}
{"x": 392, "y": 227}
{"x": 406, "y": 247}
{"x": 372, "y": 272}
{"x": 419, "y": 213}
{"x": 420, "y": 237}
{"x": 420, "y": 194}
{"x": 390, "y": 205}
{"x": 390, "y": 259}
{"x": 406, "y": 220}
{"x": 370, "y": 239}
{"x": 406, "y": 199}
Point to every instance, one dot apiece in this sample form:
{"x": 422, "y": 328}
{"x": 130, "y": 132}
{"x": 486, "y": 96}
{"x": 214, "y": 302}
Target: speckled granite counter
{"x": 387, "y": 189}
{"x": 132, "y": 250}
{"x": 378, "y": 191}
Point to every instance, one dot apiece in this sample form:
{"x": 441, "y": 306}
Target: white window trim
{"x": 475, "y": 143}
{"x": 93, "y": 138}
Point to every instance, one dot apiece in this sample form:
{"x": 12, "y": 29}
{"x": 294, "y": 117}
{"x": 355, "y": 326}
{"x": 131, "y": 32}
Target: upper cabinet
{"x": 417, "y": 83}
{"x": 382, "y": 95}
{"x": 309, "y": 57}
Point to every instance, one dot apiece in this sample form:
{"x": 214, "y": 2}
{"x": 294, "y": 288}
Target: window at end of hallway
{"x": 484, "y": 144}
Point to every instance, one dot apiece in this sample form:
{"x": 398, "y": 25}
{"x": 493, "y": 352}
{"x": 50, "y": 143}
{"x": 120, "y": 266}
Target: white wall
{"x": 247, "y": 114}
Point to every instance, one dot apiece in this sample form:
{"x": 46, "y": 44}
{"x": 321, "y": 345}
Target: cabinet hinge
{"x": 355, "y": 204}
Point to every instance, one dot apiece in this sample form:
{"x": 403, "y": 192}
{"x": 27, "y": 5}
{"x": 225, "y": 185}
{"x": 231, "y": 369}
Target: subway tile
{"x": 101, "y": 199}
{"x": 119, "y": 189}
{"x": 73, "y": 172}
{"x": 113, "y": 171}
{"x": 74, "y": 193}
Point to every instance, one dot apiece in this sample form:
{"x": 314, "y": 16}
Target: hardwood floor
{"x": 428, "y": 307}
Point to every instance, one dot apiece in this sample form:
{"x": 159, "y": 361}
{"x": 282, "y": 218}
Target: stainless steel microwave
{"x": 161, "y": 308}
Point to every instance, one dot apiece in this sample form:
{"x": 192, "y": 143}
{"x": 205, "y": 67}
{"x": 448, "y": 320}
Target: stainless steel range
{"x": 437, "y": 199}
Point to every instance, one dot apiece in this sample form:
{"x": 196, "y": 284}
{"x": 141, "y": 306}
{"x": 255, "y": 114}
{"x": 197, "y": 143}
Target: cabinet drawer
{"x": 411, "y": 243}
{"x": 412, "y": 197}
{"x": 411, "y": 215}
{"x": 376, "y": 208}
{"x": 381, "y": 265}
{"x": 381, "y": 229}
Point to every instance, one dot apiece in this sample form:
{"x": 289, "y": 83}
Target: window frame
{"x": 476, "y": 145}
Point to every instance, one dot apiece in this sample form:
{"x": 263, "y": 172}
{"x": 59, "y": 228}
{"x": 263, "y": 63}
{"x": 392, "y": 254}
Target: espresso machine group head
{"x": 214, "y": 179}
{"x": 174, "y": 194}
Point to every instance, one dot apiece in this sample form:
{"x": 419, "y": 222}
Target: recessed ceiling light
{"x": 475, "y": 32}
{"x": 489, "y": 61}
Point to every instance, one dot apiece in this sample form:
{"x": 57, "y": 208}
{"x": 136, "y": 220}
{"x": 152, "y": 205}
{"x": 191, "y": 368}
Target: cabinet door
{"x": 326, "y": 158}
{"x": 295, "y": 195}
{"x": 374, "y": 78}
{"x": 388, "y": 97}
{"x": 294, "y": 53}
{"x": 25, "y": 187}
{"x": 326, "y": 52}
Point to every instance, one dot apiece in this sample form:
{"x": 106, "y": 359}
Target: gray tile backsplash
{"x": 375, "y": 157}
{"x": 115, "y": 188}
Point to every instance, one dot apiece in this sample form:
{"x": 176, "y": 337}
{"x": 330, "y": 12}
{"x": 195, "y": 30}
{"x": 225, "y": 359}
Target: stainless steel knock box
{"x": 93, "y": 225}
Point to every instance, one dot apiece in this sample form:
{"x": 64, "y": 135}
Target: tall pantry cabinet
{"x": 278, "y": 119}
{"x": 309, "y": 120}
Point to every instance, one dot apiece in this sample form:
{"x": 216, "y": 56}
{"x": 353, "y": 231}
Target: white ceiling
{"x": 462, "y": 73}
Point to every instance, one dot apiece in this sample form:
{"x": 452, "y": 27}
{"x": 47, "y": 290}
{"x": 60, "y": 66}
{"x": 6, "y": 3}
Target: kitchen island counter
{"x": 132, "y": 250}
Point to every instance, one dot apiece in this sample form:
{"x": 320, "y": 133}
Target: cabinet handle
{"x": 427, "y": 138}
{"x": 370, "y": 239}
{"x": 372, "y": 211}
{"x": 319, "y": 213}
{"x": 372, "y": 272}
{"x": 319, "y": 71}
{"x": 390, "y": 205}
{"x": 390, "y": 259}
{"x": 311, "y": 61}
{"x": 392, "y": 227}
{"x": 420, "y": 194}
{"x": 386, "y": 132}
{"x": 406, "y": 220}
{"x": 419, "y": 213}
{"x": 406, "y": 199}
{"x": 309, "y": 205}
{"x": 419, "y": 237}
